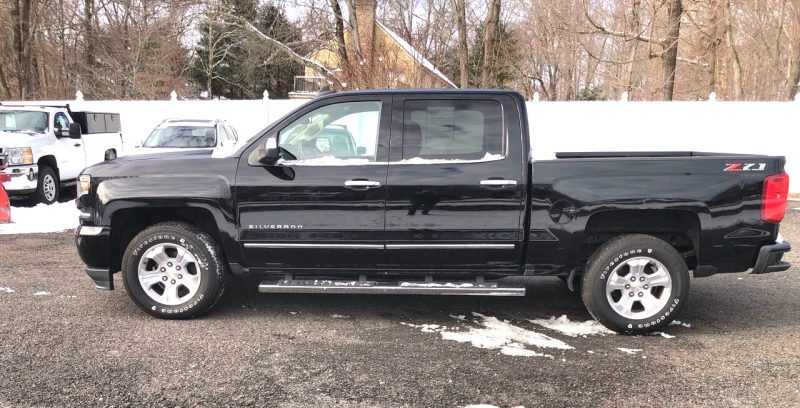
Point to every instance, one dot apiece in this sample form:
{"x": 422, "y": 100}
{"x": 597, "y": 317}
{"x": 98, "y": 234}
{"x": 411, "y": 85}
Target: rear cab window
{"x": 452, "y": 130}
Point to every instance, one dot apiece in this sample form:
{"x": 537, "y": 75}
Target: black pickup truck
{"x": 440, "y": 196}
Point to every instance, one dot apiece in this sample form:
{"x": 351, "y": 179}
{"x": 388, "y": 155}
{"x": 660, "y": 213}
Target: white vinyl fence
{"x": 771, "y": 128}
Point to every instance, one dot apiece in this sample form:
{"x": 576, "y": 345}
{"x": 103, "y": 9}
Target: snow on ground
{"x": 4, "y": 289}
{"x": 573, "y": 329}
{"x": 680, "y": 323}
{"x": 496, "y": 334}
{"x": 339, "y": 316}
{"x": 42, "y": 218}
{"x": 664, "y": 335}
{"x": 41, "y": 293}
{"x": 629, "y": 350}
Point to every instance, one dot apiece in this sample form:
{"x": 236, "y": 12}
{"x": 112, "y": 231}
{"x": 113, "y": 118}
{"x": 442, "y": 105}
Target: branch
{"x": 290, "y": 52}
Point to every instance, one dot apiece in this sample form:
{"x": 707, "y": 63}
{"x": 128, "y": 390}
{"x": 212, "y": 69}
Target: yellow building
{"x": 389, "y": 62}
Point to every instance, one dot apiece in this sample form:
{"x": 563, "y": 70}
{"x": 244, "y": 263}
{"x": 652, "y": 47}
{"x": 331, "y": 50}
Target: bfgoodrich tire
{"x": 635, "y": 284}
{"x": 174, "y": 271}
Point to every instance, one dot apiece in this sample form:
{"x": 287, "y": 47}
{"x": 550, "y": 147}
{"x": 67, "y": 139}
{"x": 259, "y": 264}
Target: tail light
{"x": 773, "y": 201}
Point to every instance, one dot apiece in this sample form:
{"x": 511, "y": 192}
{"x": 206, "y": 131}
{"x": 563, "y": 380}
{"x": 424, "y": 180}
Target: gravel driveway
{"x": 63, "y": 343}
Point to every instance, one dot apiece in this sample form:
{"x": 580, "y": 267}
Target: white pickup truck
{"x": 44, "y": 148}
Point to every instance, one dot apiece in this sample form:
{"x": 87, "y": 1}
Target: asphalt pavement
{"x": 64, "y": 343}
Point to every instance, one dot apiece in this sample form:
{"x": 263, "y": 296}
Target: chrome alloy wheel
{"x": 169, "y": 274}
{"x": 49, "y": 187}
{"x": 638, "y": 288}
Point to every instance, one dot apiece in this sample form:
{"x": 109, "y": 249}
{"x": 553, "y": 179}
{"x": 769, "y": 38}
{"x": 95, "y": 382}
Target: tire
{"x": 659, "y": 289}
{"x": 48, "y": 188}
{"x": 189, "y": 284}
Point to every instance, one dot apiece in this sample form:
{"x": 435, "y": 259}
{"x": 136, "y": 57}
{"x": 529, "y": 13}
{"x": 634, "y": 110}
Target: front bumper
{"x": 769, "y": 257}
{"x": 94, "y": 247}
{"x": 21, "y": 179}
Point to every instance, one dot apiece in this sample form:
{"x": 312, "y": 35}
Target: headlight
{"x": 19, "y": 155}
{"x": 84, "y": 184}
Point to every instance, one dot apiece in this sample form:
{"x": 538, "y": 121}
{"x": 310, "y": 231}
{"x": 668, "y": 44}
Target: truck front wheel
{"x": 48, "y": 186}
{"x": 635, "y": 284}
{"x": 173, "y": 270}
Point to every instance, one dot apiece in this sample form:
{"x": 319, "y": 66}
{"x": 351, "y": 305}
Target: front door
{"x": 322, "y": 206}
{"x": 71, "y": 155}
{"x": 456, "y": 185}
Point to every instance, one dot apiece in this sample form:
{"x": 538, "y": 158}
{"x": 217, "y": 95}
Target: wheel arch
{"x": 679, "y": 228}
{"x": 126, "y": 223}
{"x": 49, "y": 161}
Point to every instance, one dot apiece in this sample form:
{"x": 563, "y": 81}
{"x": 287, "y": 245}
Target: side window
{"x": 232, "y": 134}
{"x": 61, "y": 121}
{"x": 347, "y": 130}
{"x": 452, "y": 130}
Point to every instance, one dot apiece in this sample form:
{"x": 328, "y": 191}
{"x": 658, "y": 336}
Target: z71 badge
{"x": 745, "y": 166}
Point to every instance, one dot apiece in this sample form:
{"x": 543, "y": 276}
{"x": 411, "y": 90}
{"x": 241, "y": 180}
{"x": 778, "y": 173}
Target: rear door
{"x": 322, "y": 206}
{"x": 456, "y": 180}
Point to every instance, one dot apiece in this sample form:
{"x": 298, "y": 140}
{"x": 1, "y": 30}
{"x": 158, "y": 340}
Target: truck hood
{"x": 163, "y": 165}
{"x": 16, "y": 139}
{"x": 148, "y": 151}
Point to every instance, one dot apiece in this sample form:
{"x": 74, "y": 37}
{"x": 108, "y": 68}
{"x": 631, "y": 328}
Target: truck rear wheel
{"x": 48, "y": 188}
{"x": 635, "y": 284}
{"x": 173, "y": 270}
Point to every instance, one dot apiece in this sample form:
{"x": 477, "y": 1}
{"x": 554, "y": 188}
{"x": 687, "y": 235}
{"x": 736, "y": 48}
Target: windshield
{"x": 182, "y": 136}
{"x": 23, "y": 121}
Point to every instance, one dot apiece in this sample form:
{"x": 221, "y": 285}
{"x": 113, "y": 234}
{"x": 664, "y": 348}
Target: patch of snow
{"x": 629, "y": 350}
{"x": 459, "y": 317}
{"x": 6, "y": 289}
{"x": 518, "y": 350}
{"x": 574, "y": 329}
{"x": 325, "y": 161}
{"x": 590, "y": 351}
{"x": 41, "y": 293}
{"x": 42, "y": 218}
{"x": 419, "y": 160}
{"x": 292, "y": 313}
{"x": 664, "y": 335}
{"x": 437, "y": 285}
{"x": 680, "y": 323}
{"x": 427, "y": 328}
{"x": 339, "y": 316}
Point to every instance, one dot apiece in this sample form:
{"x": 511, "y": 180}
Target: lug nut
{"x": 169, "y": 263}
{"x": 627, "y": 286}
{"x": 164, "y": 278}
{"x": 646, "y": 286}
{"x": 173, "y": 282}
{"x": 641, "y": 294}
{"x": 642, "y": 279}
{"x": 633, "y": 279}
{"x": 163, "y": 269}
{"x": 177, "y": 268}
{"x": 180, "y": 276}
{"x": 630, "y": 294}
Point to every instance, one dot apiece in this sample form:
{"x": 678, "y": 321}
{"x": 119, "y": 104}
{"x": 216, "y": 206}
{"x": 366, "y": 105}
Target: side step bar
{"x": 398, "y": 288}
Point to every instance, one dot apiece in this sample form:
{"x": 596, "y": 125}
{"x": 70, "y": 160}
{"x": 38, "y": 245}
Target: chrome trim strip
{"x": 282, "y": 245}
{"x": 450, "y": 246}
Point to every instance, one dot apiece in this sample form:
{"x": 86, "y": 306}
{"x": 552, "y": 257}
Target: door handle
{"x": 498, "y": 182}
{"x": 365, "y": 184}
{"x": 77, "y": 145}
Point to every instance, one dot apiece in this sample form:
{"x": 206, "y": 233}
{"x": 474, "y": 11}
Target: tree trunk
{"x": 490, "y": 43}
{"x": 21, "y": 17}
{"x": 730, "y": 46}
{"x": 793, "y": 87}
{"x": 669, "y": 58}
{"x": 634, "y": 26}
{"x": 459, "y": 7}
{"x": 340, "y": 44}
{"x": 88, "y": 28}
